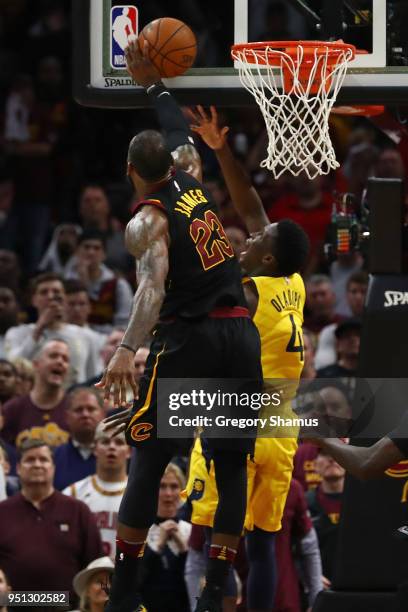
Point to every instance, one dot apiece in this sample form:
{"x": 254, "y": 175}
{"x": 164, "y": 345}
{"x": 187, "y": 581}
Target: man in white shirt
{"x": 103, "y": 491}
{"x": 48, "y": 297}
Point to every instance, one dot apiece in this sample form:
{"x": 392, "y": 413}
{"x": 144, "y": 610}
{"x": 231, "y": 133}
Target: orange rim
{"x": 290, "y": 47}
{"x": 358, "y": 110}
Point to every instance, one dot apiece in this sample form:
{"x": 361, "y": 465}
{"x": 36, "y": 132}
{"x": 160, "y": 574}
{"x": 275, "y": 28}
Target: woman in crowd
{"x": 91, "y": 584}
{"x": 165, "y": 555}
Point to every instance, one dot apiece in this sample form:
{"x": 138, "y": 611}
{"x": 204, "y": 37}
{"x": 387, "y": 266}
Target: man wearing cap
{"x": 102, "y": 492}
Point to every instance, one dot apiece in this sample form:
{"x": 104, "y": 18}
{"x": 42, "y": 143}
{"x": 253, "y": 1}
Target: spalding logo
{"x": 395, "y": 298}
{"x": 140, "y": 427}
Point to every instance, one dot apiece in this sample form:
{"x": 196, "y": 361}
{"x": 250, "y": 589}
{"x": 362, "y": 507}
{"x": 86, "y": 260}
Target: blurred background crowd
{"x": 66, "y": 287}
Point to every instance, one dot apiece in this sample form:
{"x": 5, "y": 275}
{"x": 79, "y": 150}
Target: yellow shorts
{"x": 269, "y": 476}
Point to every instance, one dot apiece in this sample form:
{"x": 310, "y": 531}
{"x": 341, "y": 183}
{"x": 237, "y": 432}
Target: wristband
{"x": 152, "y": 89}
{"x": 126, "y": 346}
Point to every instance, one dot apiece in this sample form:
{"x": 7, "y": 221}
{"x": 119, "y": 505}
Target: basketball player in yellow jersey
{"x": 276, "y": 295}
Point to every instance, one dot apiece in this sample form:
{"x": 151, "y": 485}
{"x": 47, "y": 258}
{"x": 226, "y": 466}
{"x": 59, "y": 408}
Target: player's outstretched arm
{"x": 146, "y": 238}
{"x": 244, "y": 196}
{"x": 174, "y": 126}
{"x": 364, "y": 462}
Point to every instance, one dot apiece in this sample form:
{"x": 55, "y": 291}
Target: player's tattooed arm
{"x": 171, "y": 118}
{"x": 186, "y": 158}
{"x": 364, "y": 462}
{"x": 146, "y": 238}
{"x": 243, "y": 195}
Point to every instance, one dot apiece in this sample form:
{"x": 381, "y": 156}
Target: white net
{"x": 295, "y": 96}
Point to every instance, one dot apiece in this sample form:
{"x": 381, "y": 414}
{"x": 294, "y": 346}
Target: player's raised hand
{"x": 119, "y": 373}
{"x": 139, "y": 65}
{"x": 207, "y": 127}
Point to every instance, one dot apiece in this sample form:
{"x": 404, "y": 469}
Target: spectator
{"x": 140, "y": 361}
{"x": 112, "y": 342}
{"x": 9, "y": 450}
{"x": 102, "y": 492}
{"x": 324, "y": 504}
{"x": 163, "y": 587}
{"x": 25, "y": 375}
{"x": 75, "y": 459}
{"x": 304, "y": 466}
{"x": 10, "y": 272}
{"x": 109, "y": 348}
{"x": 347, "y": 335}
{"x": 8, "y": 314}
{"x": 95, "y": 213}
{"x": 79, "y": 311}
{"x": 8, "y": 381}
{"x": 361, "y": 157}
{"x": 237, "y": 238}
{"x": 111, "y": 297}
{"x": 296, "y": 528}
{"x": 390, "y": 164}
{"x": 309, "y": 206}
{"x": 49, "y": 536}
{"x": 308, "y": 371}
{"x": 357, "y": 286}
{"x": 12, "y": 482}
{"x": 320, "y": 301}
{"x": 5, "y": 587}
{"x": 89, "y": 585}
{"x": 41, "y": 414}
{"x": 48, "y": 297}
{"x": 341, "y": 270}
{"x": 61, "y": 248}
{"x": 194, "y": 571}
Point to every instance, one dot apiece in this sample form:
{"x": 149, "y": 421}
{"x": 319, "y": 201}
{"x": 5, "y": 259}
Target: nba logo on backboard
{"x": 123, "y": 24}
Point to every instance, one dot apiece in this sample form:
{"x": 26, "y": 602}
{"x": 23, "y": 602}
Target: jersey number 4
{"x": 210, "y": 240}
{"x": 292, "y": 347}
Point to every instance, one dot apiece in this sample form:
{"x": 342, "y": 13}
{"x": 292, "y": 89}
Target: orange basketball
{"x": 173, "y": 46}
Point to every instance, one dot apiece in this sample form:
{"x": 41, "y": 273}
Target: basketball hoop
{"x": 295, "y": 84}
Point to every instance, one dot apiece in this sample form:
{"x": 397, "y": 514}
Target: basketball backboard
{"x": 379, "y": 76}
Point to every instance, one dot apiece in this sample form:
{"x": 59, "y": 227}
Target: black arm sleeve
{"x": 172, "y": 121}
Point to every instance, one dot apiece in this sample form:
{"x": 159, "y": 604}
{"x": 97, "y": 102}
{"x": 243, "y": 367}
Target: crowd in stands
{"x": 66, "y": 288}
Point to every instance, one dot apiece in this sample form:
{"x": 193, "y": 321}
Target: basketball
{"x": 173, "y": 45}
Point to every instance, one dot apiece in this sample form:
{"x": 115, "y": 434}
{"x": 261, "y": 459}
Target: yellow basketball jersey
{"x": 279, "y": 319}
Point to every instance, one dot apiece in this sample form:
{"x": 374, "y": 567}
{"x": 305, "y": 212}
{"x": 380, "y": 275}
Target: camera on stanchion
{"x": 348, "y": 231}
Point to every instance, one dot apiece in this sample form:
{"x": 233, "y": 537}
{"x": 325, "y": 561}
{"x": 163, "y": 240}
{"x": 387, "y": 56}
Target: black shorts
{"x": 210, "y": 348}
